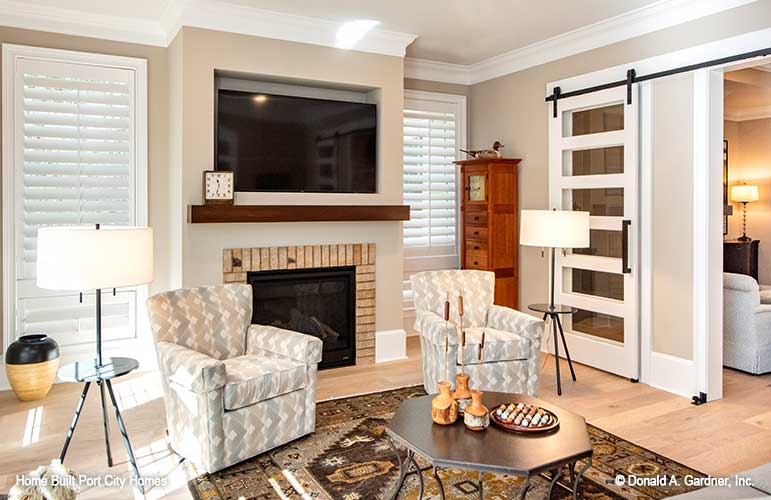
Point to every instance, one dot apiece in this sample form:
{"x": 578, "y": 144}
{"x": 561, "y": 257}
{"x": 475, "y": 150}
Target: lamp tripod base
{"x": 90, "y": 372}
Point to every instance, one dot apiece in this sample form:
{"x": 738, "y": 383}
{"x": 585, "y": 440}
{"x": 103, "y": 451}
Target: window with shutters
{"x": 74, "y": 154}
{"x": 434, "y": 132}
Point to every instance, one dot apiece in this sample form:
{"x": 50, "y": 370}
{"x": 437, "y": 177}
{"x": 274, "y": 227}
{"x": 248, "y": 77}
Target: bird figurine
{"x": 485, "y": 153}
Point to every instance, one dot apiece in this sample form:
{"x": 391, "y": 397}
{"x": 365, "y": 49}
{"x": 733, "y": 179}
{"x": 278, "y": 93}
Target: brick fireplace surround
{"x": 236, "y": 262}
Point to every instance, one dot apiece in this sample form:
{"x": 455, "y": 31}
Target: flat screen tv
{"x": 296, "y": 144}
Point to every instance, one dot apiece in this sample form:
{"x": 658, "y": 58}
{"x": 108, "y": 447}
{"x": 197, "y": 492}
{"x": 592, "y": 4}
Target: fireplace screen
{"x": 319, "y": 302}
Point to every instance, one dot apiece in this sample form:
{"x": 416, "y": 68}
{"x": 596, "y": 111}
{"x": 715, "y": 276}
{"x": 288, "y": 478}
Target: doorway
{"x": 686, "y": 357}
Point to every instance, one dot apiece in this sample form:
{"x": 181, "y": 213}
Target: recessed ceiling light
{"x": 260, "y": 98}
{"x": 352, "y": 31}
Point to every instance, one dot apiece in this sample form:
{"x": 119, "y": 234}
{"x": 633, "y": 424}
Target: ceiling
{"x": 452, "y": 31}
{"x": 463, "y": 31}
{"x": 747, "y": 94}
{"x": 454, "y": 41}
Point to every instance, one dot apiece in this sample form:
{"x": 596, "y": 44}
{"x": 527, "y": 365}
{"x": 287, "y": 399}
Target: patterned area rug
{"x": 348, "y": 458}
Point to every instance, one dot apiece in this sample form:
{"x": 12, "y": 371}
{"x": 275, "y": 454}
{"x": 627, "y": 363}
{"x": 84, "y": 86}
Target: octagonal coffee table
{"x": 493, "y": 450}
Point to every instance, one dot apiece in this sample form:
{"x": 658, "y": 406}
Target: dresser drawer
{"x": 476, "y": 259}
{"x": 476, "y": 245}
{"x": 475, "y": 232}
{"x": 475, "y": 218}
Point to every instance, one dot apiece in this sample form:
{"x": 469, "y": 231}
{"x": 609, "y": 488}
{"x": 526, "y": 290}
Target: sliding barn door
{"x": 593, "y": 167}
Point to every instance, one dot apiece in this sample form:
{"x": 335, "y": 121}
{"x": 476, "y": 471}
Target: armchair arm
{"x": 431, "y": 326}
{"x": 511, "y": 320}
{"x": 763, "y": 317}
{"x": 298, "y": 346}
{"x": 190, "y": 369}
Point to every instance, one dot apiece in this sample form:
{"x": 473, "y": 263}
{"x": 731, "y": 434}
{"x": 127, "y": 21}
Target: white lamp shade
{"x": 554, "y": 228}
{"x": 744, "y": 193}
{"x": 85, "y": 258}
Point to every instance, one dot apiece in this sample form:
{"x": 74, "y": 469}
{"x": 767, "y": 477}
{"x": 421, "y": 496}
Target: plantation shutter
{"x": 430, "y": 181}
{"x": 434, "y": 130}
{"x": 74, "y": 164}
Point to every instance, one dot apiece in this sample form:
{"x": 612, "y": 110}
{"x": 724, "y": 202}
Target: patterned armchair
{"x": 746, "y": 325}
{"x": 233, "y": 390}
{"x": 512, "y": 350}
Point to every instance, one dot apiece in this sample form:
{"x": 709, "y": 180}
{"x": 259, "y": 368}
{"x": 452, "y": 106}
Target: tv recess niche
{"x": 278, "y": 137}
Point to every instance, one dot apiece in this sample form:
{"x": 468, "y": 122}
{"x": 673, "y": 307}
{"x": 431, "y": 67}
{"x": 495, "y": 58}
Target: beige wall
{"x": 512, "y": 109}
{"x": 195, "y": 55}
{"x": 749, "y": 161}
{"x": 158, "y": 174}
{"x": 672, "y": 190}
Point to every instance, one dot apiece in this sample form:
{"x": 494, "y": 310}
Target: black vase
{"x": 31, "y": 363}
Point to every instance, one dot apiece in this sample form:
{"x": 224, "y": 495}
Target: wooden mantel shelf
{"x": 216, "y": 214}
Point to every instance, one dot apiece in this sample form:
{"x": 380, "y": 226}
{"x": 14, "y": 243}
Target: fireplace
{"x": 237, "y": 263}
{"x": 320, "y": 302}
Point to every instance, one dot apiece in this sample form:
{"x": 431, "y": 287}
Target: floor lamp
{"x": 84, "y": 258}
{"x": 555, "y": 229}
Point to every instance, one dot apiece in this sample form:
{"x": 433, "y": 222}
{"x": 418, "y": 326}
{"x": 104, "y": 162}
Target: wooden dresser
{"x": 741, "y": 257}
{"x": 489, "y": 225}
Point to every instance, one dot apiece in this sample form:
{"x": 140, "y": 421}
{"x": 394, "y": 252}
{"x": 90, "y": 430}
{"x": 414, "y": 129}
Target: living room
{"x": 326, "y": 250}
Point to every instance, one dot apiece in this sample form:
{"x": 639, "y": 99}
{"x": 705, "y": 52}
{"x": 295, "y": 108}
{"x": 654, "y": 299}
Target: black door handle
{"x": 625, "y": 246}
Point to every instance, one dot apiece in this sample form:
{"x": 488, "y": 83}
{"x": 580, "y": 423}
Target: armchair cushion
{"x": 477, "y": 288}
{"x": 253, "y": 378}
{"x": 190, "y": 369}
{"x": 294, "y": 345}
{"x": 499, "y": 346}
{"x": 211, "y": 320}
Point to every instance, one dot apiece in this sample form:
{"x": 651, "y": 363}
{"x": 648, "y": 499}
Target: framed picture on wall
{"x": 726, "y": 210}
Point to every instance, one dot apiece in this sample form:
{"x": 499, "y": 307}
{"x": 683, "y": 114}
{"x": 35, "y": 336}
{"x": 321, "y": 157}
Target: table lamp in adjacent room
{"x": 744, "y": 193}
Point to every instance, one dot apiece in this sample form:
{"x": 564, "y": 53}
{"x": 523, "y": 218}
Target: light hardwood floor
{"x": 719, "y": 438}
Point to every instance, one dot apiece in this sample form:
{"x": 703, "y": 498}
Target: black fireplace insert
{"x": 319, "y": 302}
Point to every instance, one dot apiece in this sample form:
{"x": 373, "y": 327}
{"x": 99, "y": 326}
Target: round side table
{"x": 553, "y": 312}
{"x": 88, "y": 372}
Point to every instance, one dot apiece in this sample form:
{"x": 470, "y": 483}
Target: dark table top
{"x": 558, "y": 309}
{"x": 87, "y": 371}
{"x": 493, "y": 450}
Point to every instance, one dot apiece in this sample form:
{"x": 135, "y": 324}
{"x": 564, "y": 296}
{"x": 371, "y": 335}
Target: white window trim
{"x": 459, "y": 101}
{"x": 11, "y": 54}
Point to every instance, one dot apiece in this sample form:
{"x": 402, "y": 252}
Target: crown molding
{"x": 423, "y": 69}
{"x": 210, "y": 14}
{"x": 751, "y": 114}
{"x": 654, "y": 17}
{"x": 224, "y": 16}
{"x": 27, "y": 15}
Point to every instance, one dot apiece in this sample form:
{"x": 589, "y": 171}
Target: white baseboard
{"x": 672, "y": 374}
{"x": 390, "y": 345}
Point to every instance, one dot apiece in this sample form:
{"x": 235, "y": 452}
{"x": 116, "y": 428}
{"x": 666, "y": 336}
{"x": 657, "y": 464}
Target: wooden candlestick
{"x": 444, "y": 409}
{"x": 446, "y": 335}
{"x": 462, "y": 393}
{"x": 476, "y": 416}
